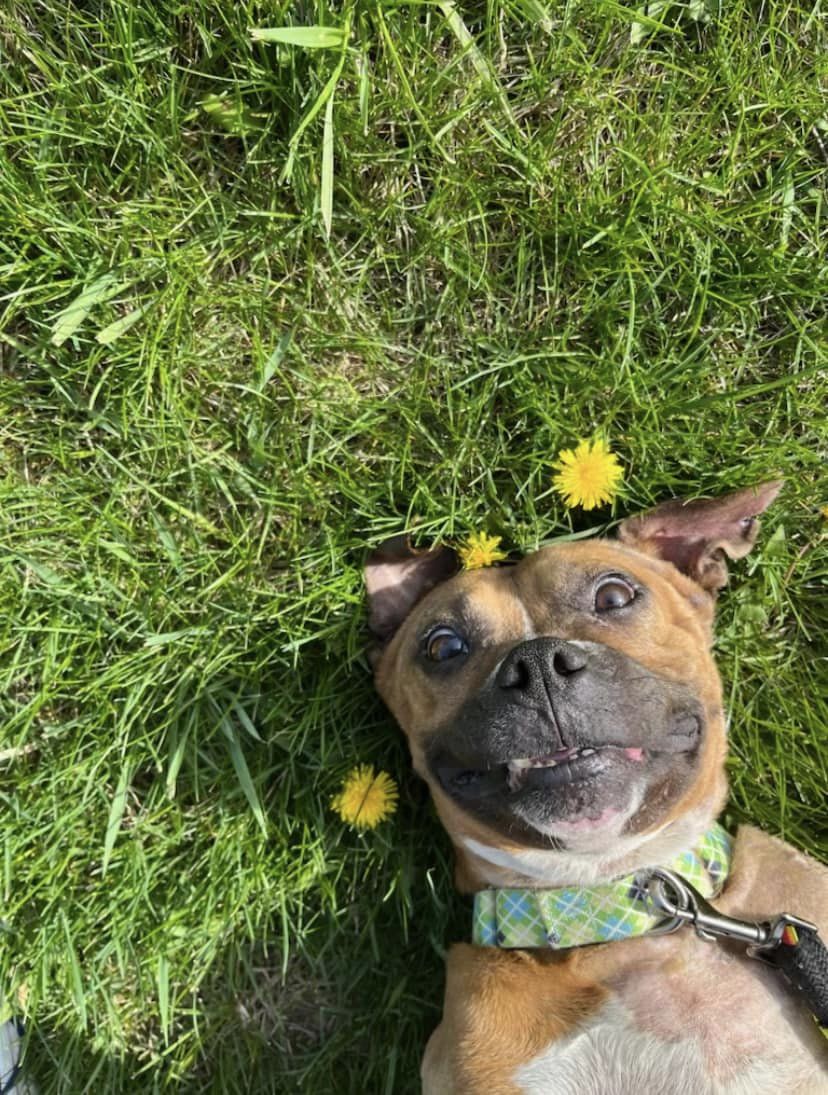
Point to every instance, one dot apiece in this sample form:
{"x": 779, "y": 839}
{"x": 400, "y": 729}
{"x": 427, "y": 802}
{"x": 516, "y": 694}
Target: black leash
{"x": 805, "y": 964}
{"x": 787, "y": 943}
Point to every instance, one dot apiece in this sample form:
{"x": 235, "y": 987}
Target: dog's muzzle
{"x": 564, "y": 729}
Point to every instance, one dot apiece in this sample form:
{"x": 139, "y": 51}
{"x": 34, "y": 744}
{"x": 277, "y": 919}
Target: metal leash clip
{"x": 672, "y": 895}
{"x": 788, "y": 944}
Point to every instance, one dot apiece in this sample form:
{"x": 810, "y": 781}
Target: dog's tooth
{"x": 515, "y": 772}
{"x": 587, "y": 752}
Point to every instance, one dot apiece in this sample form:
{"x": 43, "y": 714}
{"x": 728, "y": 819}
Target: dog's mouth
{"x": 567, "y": 764}
{"x": 558, "y": 769}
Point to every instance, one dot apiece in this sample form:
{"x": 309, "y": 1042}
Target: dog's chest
{"x": 686, "y": 1019}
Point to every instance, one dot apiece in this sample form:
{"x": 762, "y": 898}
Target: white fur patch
{"x": 611, "y": 1056}
{"x": 572, "y": 868}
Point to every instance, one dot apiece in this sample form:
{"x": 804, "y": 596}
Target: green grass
{"x": 545, "y": 221}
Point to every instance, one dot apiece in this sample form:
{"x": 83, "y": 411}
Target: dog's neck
{"x": 482, "y": 866}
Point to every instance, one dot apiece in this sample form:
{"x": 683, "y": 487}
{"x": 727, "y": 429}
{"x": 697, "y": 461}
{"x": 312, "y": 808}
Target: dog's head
{"x": 568, "y": 702}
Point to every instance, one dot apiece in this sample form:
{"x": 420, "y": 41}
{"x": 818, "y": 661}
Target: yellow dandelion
{"x": 589, "y": 476}
{"x": 366, "y": 799}
{"x": 480, "y": 550}
{"x": 824, "y": 512}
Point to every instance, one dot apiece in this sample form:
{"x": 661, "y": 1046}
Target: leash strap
{"x": 802, "y": 958}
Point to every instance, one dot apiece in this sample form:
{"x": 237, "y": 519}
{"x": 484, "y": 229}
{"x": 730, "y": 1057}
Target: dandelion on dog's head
{"x": 589, "y": 475}
{"x": 366, "y": 799}
{"x": 480, "y": 550}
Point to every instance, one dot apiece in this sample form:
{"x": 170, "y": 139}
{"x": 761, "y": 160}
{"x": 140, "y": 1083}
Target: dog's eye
{"x": 613, "y": 593}
{"x": 443, "y": 643}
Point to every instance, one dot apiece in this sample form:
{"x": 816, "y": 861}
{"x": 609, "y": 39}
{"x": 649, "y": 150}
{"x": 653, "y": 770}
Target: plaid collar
{"x": 574, "y": 915}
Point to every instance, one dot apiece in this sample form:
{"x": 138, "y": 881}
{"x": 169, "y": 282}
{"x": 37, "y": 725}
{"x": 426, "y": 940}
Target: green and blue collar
{"x": 574, "y": 915}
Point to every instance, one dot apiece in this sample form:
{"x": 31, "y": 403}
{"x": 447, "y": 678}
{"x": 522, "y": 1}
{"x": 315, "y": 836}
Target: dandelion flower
{"x": 480, "y": 550}
{"x": 589, "y": 476}
{"x": 824, "y": 512}
{"x": 366, "y": 799}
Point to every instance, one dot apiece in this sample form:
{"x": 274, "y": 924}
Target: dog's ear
{"x": 397, "y": 576}
{"x": 696, "y": 536}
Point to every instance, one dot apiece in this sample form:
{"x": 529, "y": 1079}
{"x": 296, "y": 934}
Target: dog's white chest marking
{"x": 706, "y": 1024}
{"x": 611, "y": 1056}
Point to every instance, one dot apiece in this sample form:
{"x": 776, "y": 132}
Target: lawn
{"x": 264, "y": 304}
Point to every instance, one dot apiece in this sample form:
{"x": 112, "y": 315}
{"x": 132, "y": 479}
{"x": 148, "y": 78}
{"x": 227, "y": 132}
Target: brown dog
{"x": 567, "y": 715}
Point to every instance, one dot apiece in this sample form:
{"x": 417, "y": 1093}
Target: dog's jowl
{"x": 567, "y": 715}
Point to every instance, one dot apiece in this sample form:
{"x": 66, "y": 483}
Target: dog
{"x": 567, "y": 716}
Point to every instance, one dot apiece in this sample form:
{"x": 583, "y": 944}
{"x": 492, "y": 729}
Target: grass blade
{"x": 326, "y": 199}
{"x": 119, "y": 327}
{"x": 73, "y": 315}
{"x": 164, "y": 995}
{"x": 243, "y": 772}
{"x": 321, "y": 99}
{"x": 75, "y": 975}
{"x": 275, "y": 360}
{"x": 482, "y": 67}
{"x": 177, "y": 749}
{"x": 116, "y": 813}
{"x": 246, "y": 721}
{"x": 308, "y": 37}
{"x": 649, "y": 21}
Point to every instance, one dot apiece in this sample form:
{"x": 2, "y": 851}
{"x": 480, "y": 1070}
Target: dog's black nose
{"x": 539, "y": 666}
